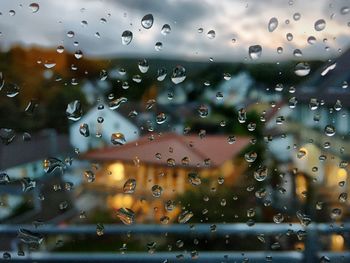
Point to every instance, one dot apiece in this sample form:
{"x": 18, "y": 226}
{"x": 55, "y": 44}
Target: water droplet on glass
{"x": 7, "y": 135}
{"x": 90, "y": 176}
{"x": 273, "y": 24}
{"x": 115, "y": 104}
{"x": 278, "y": 218}
{"x": 129, "y": 186}
{"x": 78, "y": 54}
{"x": 127, "y": 37}
{"x": 52, "y": 163}
{"x": 296, "y": 16}
{"x": 329, "y": 130}
{"x": 158, "y": 46}
{"x": 211, "y": 34}
{"x": 311, "y": 40}
{"x": 179, "y": 74}
{"x": 302, "y": 69}
{"x": 255, "y": 52}
{"x": 328, "y": 68}
{"x": 70, "y": 34}
{"x": 250, "y": 156}
{"x": 161, "y": 118}
{"x": 344, "y": 10}
{"x": 126, "y": 215}
{"x": 118, "y": 138}
{"x": 194, "y": 179}
{"x": 166, "y": 29}
{"x": 147, "y": 21}
{"x": 161, "y": 74}
{"x": 29, "y": 237}
{"x": 157, "y": 190}
{"x": 184, "y": 217}
{"x": 4, "y": 178}
{"x": 289, "y": 36}
{"x": 74, "y": 110}
{"x": 84, "y": 130}
{"x": 49, "y": 64}
{"x": 143, "y": 66}
{"x": 320, "y": 25}
{"x": 203, "y": 111}
{"x": 260, "y": 174}
{"x": 34, "y": 7}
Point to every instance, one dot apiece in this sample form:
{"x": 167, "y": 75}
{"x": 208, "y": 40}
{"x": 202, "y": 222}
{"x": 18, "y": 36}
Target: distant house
{"x": 170, "y": 161}
{"x": 22, "y": 161}
{"x": 319, "y": 155}
{"x": 100, "y": 132}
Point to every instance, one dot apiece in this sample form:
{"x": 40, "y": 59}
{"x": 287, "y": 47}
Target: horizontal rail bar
{"x": 205, "y": 229}
{"x": 215, "y": 256}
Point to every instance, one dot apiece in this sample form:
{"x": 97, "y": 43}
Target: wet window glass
{"x": 174, "y": 131}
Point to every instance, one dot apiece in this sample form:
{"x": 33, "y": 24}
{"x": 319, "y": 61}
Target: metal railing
{"x": 311, "y": 253}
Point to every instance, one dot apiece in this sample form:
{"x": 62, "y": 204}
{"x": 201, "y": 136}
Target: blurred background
{"x": 174, "y": 130}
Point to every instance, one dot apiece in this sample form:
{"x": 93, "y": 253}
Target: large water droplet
{"x": 329, "y": 130}
{"x": 273, "y": 24}
{"x": 126, "y": 215}
{"x": 157, "y": 190}
{"x": 34, "y": 7}
{"x": 255, "y": 52}
{"x": 166, "y": 29}
{"x": 161, "y": 74}
{"x": 115, "y": 104}
{"x": 302, "y": 69}
{"x": 74, "y": 110}
{"x": 7, "y": 135}
{"x": 29, "y": 237}
{"x": 184, "y": 217}
{"x": 194, "y": 179}
{"x": 320, "y": 25}
{"x": 179, "y": 74}
{"x": 211, "y": 34}
{"x": 118, "y": 138}
{"x": 52, "y": 163}
{"x": 129, "y": 186}
{"x": 84, "y": 130}
{"x": 127, "y": 37}
{"x": 147, "y": 21}
{"x": 260, "y": 174}
{"x": 328, "y": 69}
{"x": 143, "y": 66}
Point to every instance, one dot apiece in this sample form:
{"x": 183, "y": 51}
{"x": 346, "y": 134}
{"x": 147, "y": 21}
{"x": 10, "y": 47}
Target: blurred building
{"x": 170, "y": 161}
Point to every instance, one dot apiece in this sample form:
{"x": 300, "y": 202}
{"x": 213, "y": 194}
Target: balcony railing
{"x": 311, "y": 253}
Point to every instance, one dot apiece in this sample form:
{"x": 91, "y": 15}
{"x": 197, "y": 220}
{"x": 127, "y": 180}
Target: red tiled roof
{"x": 213, "y": 147}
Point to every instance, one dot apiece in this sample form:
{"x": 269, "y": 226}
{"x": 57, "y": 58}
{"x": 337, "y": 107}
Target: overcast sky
{"x": 244, "y": 20}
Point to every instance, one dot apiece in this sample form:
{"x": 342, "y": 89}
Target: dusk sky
{"x": 243, "y": 20}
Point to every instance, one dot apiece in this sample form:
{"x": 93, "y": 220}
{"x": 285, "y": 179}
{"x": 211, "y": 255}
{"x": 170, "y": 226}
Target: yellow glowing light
{"x": 120, "y": 200}
{"x": 116, "y": 171}
{"x": 342, "y": 174}
{"x": 301, "y": 185}
{"x": 337, "y": 243}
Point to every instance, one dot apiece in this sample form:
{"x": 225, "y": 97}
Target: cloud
{"x": 244, "y": 20}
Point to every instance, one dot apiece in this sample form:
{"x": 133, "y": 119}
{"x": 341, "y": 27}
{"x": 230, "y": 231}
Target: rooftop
{"x": 171, "y": 145}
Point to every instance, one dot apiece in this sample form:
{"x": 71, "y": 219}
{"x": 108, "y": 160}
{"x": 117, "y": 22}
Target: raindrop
{"x": 52, "y": 163}
{"x": 273, "y": 24}
{"x": 344, "y": 10}
{"x": 166, "y": 29}
{"x": 49, "y": 64}
{"x": 118, "y": 139}
{"x": 126, "y": 215}
{"x": 211, "y": 34}
{"x": 4, "y": 178}
{"x": 12, "y": 12}
{"x": 78, "y": 54}
{"x": 250, "y": 156}
{"x": 90, "y": 176}
{"x": 194, "y": 179}
{"x": 179, "y": 74}
{"x": 278, "y": 218}
{"x": 260, "y": 174}
{"x": 255, "y": 52}
{"x": 129, "y": 186}
{"x": 302, "y": 69}
{"x": 70, "y": 34}
{"x": 289, "y": 36}
{"x": 203, "y": 111}
{"x": 143, "y": 66}
{"x": 161, "y": 118}
{"x": 60, "y": 49}
{"x": 184, "y": 217}
{"x": 311, "y": 40}
{"x": 29, "y": 237}
{"x": 161, "y": 74}
{"x": 34, "y": 7}
{"x": 84, "y": 130}
{"x": 320, "y": 25}
{"x": 328, "y": 69}
{"x": 127, "y": 37}
{"x": 158, "y": 46}
{"x": 329, "y": 130}
{"x": 147, "y": 21}
{"x": 74, "y": 110}
{"x": 115, "y": 104}
{"x": 157, "y": 190}
{"x": 296, "y": 16}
